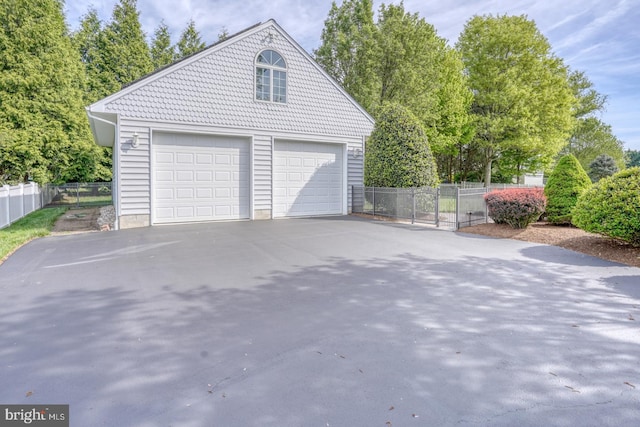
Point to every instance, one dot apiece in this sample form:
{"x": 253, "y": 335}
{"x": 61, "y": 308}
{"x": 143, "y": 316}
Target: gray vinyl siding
{"x": 355, "y": 169}
{"x": 262, "y": 163}
{"x": 134, "y": 173}
{"x": 213, "y": 92}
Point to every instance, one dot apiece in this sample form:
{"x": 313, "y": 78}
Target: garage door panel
{"x": 184, "y": 176}
{"x": 200, "y": 178}
{"x": 204, "y": 176}
{"x": 204, "y": 211}
{"x": 204, "y": 193}
{"x": 307, "y": 179}
{"x": 204, "y": 159}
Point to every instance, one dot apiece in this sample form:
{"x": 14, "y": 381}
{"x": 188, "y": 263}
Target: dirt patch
{"x": 566, "y": 237}
{"x": 78, "y": 220}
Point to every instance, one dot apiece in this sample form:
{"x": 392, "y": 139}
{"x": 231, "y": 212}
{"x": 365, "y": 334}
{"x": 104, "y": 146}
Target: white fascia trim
{"x": 175, "y": 127}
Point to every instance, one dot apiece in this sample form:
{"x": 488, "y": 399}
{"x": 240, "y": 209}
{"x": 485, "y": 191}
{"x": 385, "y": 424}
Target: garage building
{"x": 249, "y": 128}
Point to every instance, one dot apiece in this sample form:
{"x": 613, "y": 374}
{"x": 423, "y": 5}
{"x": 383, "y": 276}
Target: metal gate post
{"x": 437, "y": 210}
{"x": 457, "y": 207}
{"x": 413, "y": 201}
{"x": 486, "y": 208}
{"x": 374, "y": 200}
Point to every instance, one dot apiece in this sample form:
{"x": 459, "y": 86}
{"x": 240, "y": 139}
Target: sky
{"x": 601, "y": 38}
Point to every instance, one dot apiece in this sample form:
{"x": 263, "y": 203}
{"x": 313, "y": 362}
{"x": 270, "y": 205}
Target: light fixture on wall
{"x": 134, "y": 141}
{"x": 357, "y": 153}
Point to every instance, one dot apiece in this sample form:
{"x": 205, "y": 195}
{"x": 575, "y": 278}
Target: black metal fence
{"x": 79, "y": 194}
{"x": 449, "y": 206}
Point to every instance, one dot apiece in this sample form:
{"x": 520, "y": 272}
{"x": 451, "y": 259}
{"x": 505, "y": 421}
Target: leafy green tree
{"x": 591, "y": 138}
{"x": 565, "y": 184}
{"x": 190, "y": 41}
{"x": 399, "y": 59}
{"x": 602, "y": 167}
{"x": 348, "y": 52}
{"x": 417, "y": 69}
{"x": 43, "y": 126}
{"x": 124, "y": 51}
{"x": 632, "y": 158}
{"x": 162, "y": 52}
{"x": 398, "y": 153}
{"x": 610, "y": 207}
{"x": 588, "y": 100}
{"x": 522, "y": 99}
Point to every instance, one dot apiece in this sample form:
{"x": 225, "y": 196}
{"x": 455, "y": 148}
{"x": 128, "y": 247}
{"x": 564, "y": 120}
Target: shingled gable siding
{"x": 218, "y": 89}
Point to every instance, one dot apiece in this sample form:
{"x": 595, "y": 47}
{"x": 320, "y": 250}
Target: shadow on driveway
{"x": 409, "y": 338}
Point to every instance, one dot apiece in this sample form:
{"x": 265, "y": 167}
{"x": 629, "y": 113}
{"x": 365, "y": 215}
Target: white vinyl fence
{"x": 20, "y": 200}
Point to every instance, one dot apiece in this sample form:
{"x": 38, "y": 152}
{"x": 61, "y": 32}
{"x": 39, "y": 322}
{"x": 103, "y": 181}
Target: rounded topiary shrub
{"x": 517, "y": 207}
{"x": 565, "y": 184}
{"x": 398, "y": 152}
{"x": 612, "y": 207}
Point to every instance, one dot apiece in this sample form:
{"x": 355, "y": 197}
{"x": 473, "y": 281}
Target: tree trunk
{"x": 487, "y": 172}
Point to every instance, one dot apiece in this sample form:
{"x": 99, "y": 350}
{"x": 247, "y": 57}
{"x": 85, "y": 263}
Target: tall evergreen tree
{"x": 44, "y": 134}
{"x": 86, "y": 41}
{"x": 223, "y": 34}
{"x": 190, "y": 41}
{"x": 125, "y": 54}
{"x": 162, "y": 52}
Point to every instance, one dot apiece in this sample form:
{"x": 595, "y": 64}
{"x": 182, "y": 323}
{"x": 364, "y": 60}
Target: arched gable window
{"x": 271, "y": 77}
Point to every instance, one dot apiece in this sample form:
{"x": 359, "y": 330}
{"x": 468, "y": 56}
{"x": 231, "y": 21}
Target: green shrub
{"x": 398, "y": 153}
{"x": 566, "y": 183}
{"x": 612, "y": 207}
{"x": 517, "y": 207}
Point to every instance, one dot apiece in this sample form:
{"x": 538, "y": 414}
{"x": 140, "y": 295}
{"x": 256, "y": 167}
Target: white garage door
{"x": 307, "y": 179}
{"x": 199, "y": 178}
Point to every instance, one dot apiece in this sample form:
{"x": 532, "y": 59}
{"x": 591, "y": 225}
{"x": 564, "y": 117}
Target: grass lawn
{"x": 36, "y": 224}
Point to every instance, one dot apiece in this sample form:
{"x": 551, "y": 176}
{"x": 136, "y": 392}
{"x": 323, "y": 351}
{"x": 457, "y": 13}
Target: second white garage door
{"x": 199, "y": 178}
{"x": 307, "y": 179}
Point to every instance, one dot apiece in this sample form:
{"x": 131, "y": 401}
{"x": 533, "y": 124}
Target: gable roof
{"x": 122, "y": 100}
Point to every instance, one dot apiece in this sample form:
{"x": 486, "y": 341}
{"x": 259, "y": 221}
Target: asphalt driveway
{"x": 318, "y": 322}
